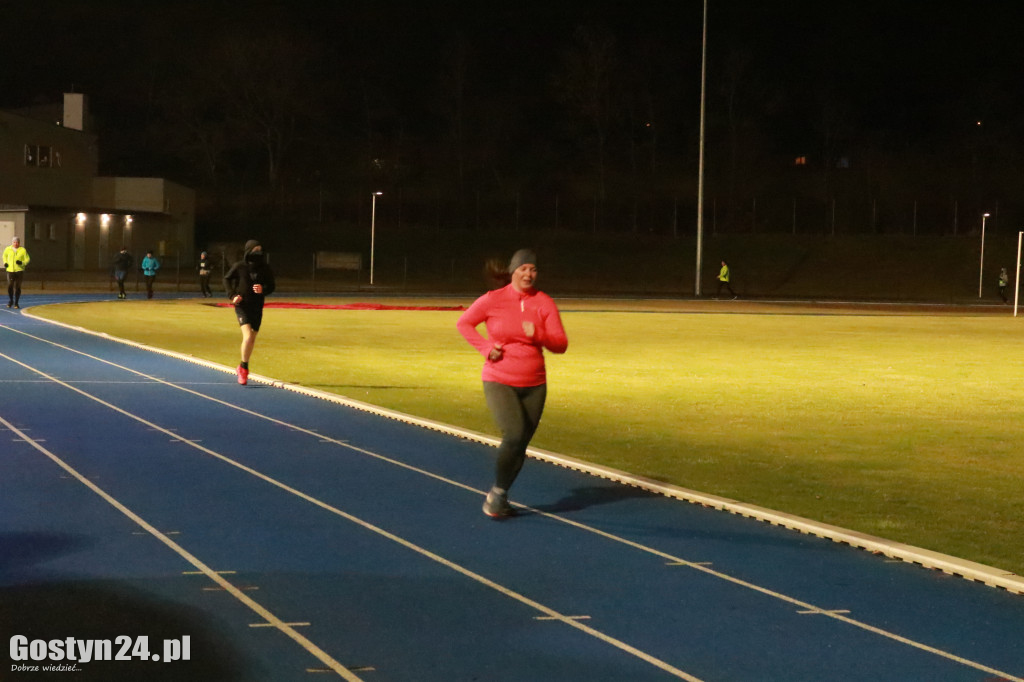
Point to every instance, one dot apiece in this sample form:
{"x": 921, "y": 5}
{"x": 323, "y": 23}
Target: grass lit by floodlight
{"x": 902, "y": 426}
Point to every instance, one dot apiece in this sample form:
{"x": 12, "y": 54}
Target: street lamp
{"x": 373, "y": 231}
{"x": 700, "y": 162}
{"x": 981, "y": 267}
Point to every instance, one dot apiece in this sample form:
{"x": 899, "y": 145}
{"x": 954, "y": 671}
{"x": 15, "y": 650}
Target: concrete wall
{"x": 60, "y": 176}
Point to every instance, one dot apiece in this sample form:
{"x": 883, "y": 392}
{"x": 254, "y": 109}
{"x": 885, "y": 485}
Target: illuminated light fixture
{"x": 105, "y": 220}
{"x": 80, "y": 219}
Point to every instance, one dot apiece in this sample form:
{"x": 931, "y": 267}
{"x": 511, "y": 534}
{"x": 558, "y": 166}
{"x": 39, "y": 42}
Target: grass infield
{"x": 900, "y": 422}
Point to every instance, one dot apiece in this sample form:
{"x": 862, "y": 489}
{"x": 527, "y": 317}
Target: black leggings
{"x": 517, "y": 413}
{"x": 14, "y": 285}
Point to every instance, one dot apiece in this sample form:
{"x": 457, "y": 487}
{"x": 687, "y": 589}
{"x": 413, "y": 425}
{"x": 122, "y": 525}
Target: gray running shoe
{"x": 496, "y": 505}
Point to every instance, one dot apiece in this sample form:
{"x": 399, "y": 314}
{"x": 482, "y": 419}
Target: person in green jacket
{"x": 723, "y": 281}
{"x": 15, "y": 260}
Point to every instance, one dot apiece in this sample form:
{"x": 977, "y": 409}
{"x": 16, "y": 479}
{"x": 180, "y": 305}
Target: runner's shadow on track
{"x": 106, "y": 610}
{"x": 594, "y": 495}
{"x": 41, "y": 604}
{"x": 21, "y": 550}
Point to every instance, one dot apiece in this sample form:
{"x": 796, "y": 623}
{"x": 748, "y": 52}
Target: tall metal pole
{"x": 981, "y": 266}
{"x": 1016, "y": 283}
{"x": 373, "y": 231}
{"x": 700, "y": 163}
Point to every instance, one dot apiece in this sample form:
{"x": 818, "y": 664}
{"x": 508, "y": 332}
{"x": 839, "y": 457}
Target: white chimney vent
{"x": 74, "y": 111}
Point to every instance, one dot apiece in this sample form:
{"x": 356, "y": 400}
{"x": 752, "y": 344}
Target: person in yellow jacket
{"x": 15, "y": 260}
{"x": 723, "y": 281}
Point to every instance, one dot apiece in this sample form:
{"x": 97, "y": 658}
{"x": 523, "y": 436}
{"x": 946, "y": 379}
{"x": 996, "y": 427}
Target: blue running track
{"x": 265, "y": 534}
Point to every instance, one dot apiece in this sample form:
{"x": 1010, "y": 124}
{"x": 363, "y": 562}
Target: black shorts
{"x": 249, "y": 315}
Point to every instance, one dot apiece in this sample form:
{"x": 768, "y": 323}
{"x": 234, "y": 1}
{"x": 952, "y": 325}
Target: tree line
{"x": 595, "y": 129}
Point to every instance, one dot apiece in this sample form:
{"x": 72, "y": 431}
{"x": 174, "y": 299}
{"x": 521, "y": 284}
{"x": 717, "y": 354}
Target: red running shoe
{"x": 243, "y": 375}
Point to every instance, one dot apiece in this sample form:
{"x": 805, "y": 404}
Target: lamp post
{"x": 700, "y": 162}
{"x": 981, "y": 266}
{"x": 373, "y": 231}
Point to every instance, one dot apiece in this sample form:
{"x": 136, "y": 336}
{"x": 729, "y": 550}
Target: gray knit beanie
{"x": 522, "y": 257}
{"x": 250, "y": 245}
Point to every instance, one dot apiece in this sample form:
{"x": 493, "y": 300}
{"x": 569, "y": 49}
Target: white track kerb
{"x": 994, "y": 577}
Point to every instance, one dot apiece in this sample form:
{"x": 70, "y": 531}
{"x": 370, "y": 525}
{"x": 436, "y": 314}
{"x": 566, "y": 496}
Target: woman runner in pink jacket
{"x": 521, "y": 322}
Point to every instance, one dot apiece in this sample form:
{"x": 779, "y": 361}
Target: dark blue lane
{"x": 373, "y": 603}
{"x": 350, "y": 584}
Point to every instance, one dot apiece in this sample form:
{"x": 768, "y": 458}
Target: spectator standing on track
{"x": 15, "y": 261}
{"x": 123, "y": 262}
{"x": 205, "y": 268}
{"x": 248, "y": 283}
{"x": 1004, "y": 280}
{"x": 149, "y": 267}
{"x": 724, "y": 276}
{"x": 521, "y": 322}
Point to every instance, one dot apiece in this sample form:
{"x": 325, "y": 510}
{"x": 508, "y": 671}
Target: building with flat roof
{"x": 67, "y": 216}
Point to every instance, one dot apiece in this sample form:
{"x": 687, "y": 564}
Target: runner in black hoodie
{"x": 247, "y": 283}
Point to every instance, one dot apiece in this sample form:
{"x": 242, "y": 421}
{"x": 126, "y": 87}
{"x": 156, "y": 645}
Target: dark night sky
{"x": 904, "y": 67}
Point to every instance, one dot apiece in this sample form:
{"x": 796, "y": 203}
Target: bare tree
{"x": 454, "y": 82}
{"x": 193, "y": 126}
{"x": 267, "y": 92}
{"x": 746, "y": 102}
{"x": 587, "y": 84}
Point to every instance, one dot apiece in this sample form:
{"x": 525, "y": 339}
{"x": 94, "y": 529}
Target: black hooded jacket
{"x": 252, "y": 269}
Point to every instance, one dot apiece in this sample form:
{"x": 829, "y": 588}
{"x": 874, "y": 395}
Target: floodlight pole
{"x": 700, "y": 162}
{"x": 1016, "y": 283}
{"x": 981, "y": 267}
{"x": 373, "y": 231}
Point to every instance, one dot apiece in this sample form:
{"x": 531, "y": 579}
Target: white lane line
{"x": 968, "y": 570}
{"x": 670, "y": 559}
{"x": 223, "y": 584}
{"x": 205, "y": 570}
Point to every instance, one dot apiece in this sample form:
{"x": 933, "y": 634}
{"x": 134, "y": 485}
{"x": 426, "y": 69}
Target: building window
{"x": 800, "y": 161}
{"x": 53, "y": 232}
{"x": 42, "y": 156}
{"x": 37, "y": 231}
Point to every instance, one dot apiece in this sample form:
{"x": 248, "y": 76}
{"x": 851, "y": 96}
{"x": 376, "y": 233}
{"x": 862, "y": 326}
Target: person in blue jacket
{"x": 149, "y": 267}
